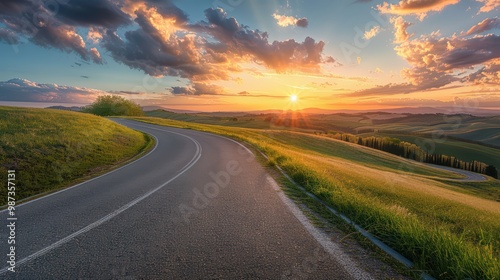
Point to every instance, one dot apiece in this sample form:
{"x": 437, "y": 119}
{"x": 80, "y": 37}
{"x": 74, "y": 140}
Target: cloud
{"x": 303, "y": 22}
{"x": 239, "y": 42}
{"x": 413, "y": 7}
{"x": 400, "y": 26}
{"x": 485, "y": 25}
{"x": 96, "y": 56}
{"x": 372, "y": 32}
{"x": 36, "y": 21}
{"x": 198, "y": 89}
{"x": 434, "y": 63}
{"x": 156, "y": 37}
{"x": 8, "y": 37}
{"x": 285, "y": 21}
{"x": 155, "y": 52}
{"x": 488, "y": 5}
{"x": 14, "y": 6}
{"x": 103, "y": 13}
{"x": 389, "y": 89}
{"x": 22, "y": 90}
{"x": 181, "y": 90}
{"x": 94, "y": 35}
{"x": 487, "y": 75}
{"x": 439, "y": 61}
{"x": 377, "y": 71}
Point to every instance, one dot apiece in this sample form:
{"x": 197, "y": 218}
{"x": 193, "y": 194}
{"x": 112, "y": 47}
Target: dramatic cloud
{"x": 489, "y": 74}
{"x": 285, "y": 21}
{"x": 239, "y": 42}
{"x": 488, "y": 5}
{"x": 156, "y": 37}
{"x": 26, "y": 91}
{"x": 400, "y": 26}
{"x": 103, "y": 13}
{"x": 485, "y": 25}
{"x": 372, "y": 32}
{"x": 36, "y": 21}
{"x": 437, "y": 62}
{"x": 413, "y": 7}
{"x": 157, "y": 49}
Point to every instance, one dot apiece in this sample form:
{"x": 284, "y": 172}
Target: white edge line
{"x": 327, "y": 244}
{"x": 377, "y": 242}
{"x": 369, "y": 236}
{"x": 331, "y": 247}
{"x": 90, "y": 180}
{"x": 108, "y": 217}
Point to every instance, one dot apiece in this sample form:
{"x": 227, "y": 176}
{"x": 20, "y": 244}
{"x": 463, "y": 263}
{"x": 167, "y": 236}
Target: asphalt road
{"x": 198, "y": 206}
{"x": 469, "y": 175}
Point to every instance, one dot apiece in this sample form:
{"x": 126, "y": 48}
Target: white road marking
{"x": 108, "y": 217}
{"x": 332, "y": 248}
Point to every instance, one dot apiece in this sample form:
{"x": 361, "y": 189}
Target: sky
{"x": 245, "y": 55}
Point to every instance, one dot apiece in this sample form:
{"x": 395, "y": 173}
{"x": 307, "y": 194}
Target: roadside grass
{"x": 450, "y": 234}
{"x": 53, "y": 149}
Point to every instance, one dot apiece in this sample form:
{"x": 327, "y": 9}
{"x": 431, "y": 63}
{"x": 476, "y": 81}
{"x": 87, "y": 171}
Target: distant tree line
{"x": 411, "y": 151}
{"x": 421, "y": 134}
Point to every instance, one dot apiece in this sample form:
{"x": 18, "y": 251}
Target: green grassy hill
{"x": 468, "y": 137}
{"x": 446, "y": 228}
{"x": 50, "y": 149}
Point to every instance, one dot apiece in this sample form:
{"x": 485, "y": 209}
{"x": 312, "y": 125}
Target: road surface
{"x": 469, "y": 175}
{"x": 198, "y": 206}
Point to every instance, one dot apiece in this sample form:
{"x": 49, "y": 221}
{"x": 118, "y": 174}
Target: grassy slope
{"x": 483, "y": 129}
{"x": 50, "y": 149}
{"x": 449, "y": 233}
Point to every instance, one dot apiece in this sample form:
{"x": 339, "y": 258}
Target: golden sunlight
{"x": 294, "y": 98}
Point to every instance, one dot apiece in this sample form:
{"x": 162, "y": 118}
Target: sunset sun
{"x": 294, "y": 98}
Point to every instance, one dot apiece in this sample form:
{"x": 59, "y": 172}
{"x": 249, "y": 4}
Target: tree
{"x": 491, "y": 171}
{"x": 110, "y": 105}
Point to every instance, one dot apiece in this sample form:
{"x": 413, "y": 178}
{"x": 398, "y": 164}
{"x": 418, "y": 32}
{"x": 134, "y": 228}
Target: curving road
{"x": 198, "y": 206}
{"x": 469, "y": 175}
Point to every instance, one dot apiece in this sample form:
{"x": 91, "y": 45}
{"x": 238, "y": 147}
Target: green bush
{"x": 110, "y": 105}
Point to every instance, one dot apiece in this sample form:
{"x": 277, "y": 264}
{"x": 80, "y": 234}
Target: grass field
{"x": 480, "y": 129}
{"x": 51, "y": 149}
{"x": 448, "y": 230}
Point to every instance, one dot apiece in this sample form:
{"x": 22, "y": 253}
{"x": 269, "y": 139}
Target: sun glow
{"x": 294, "y": 98}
